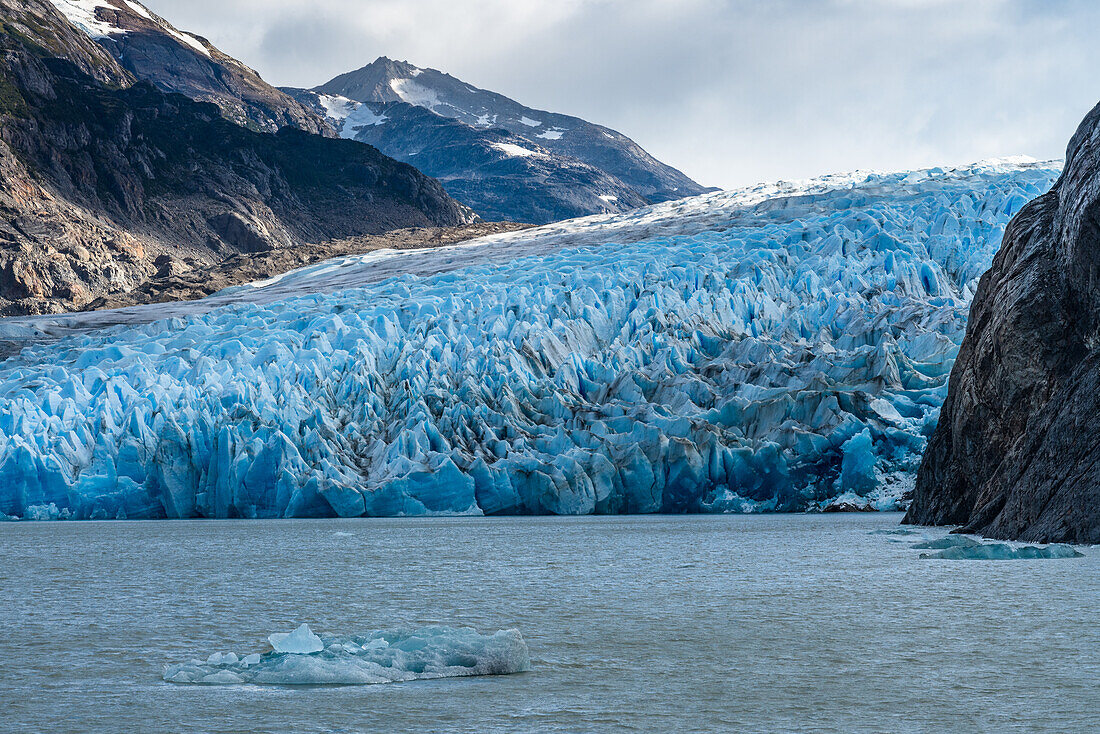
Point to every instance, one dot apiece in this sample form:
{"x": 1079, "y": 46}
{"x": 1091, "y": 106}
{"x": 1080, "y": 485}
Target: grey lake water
{"x": 780, "y": 623}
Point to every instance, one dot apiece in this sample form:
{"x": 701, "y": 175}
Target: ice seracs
{"x": 774, "y": 348}
{"x": 378, "y": 657}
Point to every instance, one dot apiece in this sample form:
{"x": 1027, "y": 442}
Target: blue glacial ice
{"x": 379, "y": 657}
{"x": 774, "y": 348}
{"x": 950, "y": 541}
{"x": 1003, "y": 552}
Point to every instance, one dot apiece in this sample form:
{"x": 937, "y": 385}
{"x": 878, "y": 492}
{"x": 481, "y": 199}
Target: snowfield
{"x": 781, "y": 347}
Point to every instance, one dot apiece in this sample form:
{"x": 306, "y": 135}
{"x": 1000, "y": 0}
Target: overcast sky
{"x": 731, "y": 92}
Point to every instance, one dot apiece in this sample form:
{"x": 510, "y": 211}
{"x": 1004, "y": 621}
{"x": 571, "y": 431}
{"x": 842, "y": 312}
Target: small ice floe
{"x": 304, "y": 658}
{"x": 1003, "y": 552}
{"x": 951, "y": 541}
{"x": 301, "y": 641}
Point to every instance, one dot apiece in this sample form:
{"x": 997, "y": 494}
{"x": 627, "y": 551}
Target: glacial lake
{"x": 772, "y": 623}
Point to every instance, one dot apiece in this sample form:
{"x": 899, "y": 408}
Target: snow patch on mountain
{"x": 415, "y": 94}
{"x": 82, "y": 14}
{"x": 529, "y": 122}
{"x": 139, "y": 9}
{"x": 347, "y": 115}
{"x": 188, "y": 40}
{"x": 517, "y": 151}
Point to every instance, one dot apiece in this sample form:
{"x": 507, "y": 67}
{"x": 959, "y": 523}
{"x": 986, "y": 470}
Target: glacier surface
{"x": 379, "y": 657}
{"x": 780, "y": 347}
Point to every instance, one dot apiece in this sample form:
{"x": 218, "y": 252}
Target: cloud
{"x": 730, "y": 91}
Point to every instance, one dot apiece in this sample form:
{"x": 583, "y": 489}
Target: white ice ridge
{"x": 781, "y": 347}
{"x": 378, "y": 657}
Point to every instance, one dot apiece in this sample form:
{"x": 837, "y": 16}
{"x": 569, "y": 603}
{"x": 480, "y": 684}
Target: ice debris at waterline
{"x": 776, "y": 348}
{"x": 1003, "y": 552}
{"x": 950, "y": 541}
{"x": 379, "y": 657}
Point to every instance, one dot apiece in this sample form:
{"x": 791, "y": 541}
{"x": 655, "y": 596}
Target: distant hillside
{"x": 500, "y": 157}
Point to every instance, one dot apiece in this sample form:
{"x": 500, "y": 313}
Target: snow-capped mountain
{"x": 496, "y": 155}
{"x": 176, "y": 61}
{"x": 502, "y": 159}
{"x": 500, "y": 175}
{"x": 781, "y": 347}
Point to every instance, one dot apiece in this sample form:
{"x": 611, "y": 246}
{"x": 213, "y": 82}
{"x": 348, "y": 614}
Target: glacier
{"x": 388, "y": 656}
{"x": 776, "y": 348}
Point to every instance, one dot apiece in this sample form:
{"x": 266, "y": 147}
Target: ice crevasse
{"x": 774, "y": 348}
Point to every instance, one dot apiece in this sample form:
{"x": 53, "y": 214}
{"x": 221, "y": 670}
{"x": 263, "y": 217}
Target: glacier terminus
{"x": 776, "y": 348}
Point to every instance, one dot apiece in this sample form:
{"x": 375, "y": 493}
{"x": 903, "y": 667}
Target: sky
{"x": 732, "y": 92}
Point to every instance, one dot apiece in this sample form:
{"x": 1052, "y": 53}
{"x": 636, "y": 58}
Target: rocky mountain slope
{"x": 1015, "y": 452}
{"x": 154, "y": 50}
{"x": 498, "y": 174}
{"x": 107, "y": 183}
{"x": 496, "y": 155}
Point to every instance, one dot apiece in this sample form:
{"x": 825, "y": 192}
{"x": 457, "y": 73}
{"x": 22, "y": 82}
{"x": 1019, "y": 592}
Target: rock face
{"x": 106, "y": 182}
{"x": 152, "y": 49}
{"x": 1015, "y": 454}
{"x": 503, "y": 159}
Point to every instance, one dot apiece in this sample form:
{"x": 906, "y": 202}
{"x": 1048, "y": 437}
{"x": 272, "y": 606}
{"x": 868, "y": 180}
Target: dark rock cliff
{"x": 106, "y": 183}
{"x": 1016, "y": 453}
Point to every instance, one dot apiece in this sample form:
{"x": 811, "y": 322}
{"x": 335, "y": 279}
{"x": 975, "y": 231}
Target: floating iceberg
{"x": 301, "y": 641}
{"x": 951, "y": 541}
{"x": 380, "y": 657}
{"x": 1003, "y": 552}
{"x": 766, "y": 349}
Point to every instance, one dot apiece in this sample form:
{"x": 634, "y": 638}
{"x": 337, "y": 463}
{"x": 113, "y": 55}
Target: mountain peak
{"x": 387, "y": 82}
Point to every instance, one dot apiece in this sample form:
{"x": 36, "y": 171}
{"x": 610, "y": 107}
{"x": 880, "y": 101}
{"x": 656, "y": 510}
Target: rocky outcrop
{"x": 104, "y": 178}
{"x": 1016, "y": 453}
